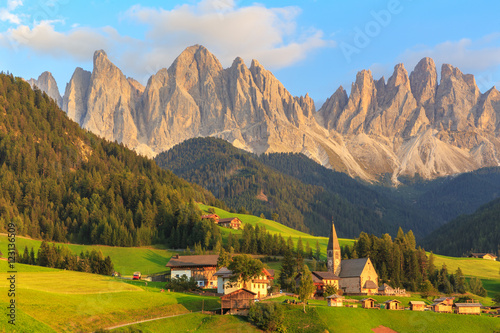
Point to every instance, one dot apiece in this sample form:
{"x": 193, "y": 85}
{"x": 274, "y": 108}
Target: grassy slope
{"x": 193, "y": 322}
{"x": 363, "y": 320}
{"x": 320, "y": 316}
{"x": 487, "y": 270}
{"x": 470, "y": 266}
{"x": 72, "y": 301}
{"x": 275, "y": 227}
{"x": 126, "y": 259}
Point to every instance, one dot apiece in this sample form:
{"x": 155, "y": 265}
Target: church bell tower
{"x": 333, "y": 252}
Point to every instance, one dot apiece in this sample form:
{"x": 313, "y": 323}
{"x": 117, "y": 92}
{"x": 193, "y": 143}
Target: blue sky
{"x": 312, "y": 46}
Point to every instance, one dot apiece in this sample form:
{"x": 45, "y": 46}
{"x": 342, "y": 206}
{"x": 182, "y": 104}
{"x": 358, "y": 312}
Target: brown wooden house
{"x": 237, "y": 302}
{"x": 468, "y": 308}
{"x": 201, "y": 268}
{"x": 441, "y": 307}
{"x": 393, "y": 304}
{"x": 417, "y": 306}
{"x": 368, "y": 303}
{"x": 230, "y": 222}
{"x": 447, "y": 300}
{"x": 213, "y": 217}
{"x": 487, "y": 256}
{"x": 335, "y": 300}
{"x": 321, "y": 280}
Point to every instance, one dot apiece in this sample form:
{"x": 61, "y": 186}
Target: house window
{"x": 177, "y": 276}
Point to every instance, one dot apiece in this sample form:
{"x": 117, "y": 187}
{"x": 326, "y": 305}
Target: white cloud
{"x": 6, "y": 14}
{"x": 470, "y": 56}
{"x": 43, "y": 39}
{"x": 270, "y": 35}
{"x": 254, "y": 32}
{"x": 13, "y": 4}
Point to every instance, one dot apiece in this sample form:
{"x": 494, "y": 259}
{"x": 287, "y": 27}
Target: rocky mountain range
{"x": 409, "y": 126}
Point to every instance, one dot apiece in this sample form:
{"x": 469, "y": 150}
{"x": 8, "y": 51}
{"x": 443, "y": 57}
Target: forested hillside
{"x": 478, "y": 232}
{"x": 446, "y": 198}
{"x": 388, "y": 209}
{"x": 242, "y": 179}
{"x": 61, "y": 183}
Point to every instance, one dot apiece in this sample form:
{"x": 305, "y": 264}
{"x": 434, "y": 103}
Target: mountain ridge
{"x": 410, "y": 126}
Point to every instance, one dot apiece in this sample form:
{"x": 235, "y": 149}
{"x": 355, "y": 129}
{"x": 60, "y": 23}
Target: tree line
{"x": 50, "y": 255}
{"x": 61, "y": 183}
{"x": 244, "y": 181}
{"x": 401, "y": 264}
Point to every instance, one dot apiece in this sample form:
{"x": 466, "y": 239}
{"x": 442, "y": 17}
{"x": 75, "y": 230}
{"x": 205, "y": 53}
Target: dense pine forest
{"x": 61, "y": 183}
{"x": 400, "y": 263}
{"x": 302, "y": 194}
{"x": 244, "y": 183}
{"x": 477, "y": 232}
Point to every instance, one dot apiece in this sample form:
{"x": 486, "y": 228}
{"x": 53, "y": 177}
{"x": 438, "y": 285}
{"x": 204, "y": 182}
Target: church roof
{"x": 325, "y": 275}
{"x": 352, "y": 267}
{"x": 370, "y": 285}
{"x": 333, "y": 241}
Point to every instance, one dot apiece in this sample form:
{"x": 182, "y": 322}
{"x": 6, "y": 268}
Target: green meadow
{"x": 126, "y": 260}
{"x": 193, "y": 322}
{"x": 56, "y": 300}
{"x": 275, "y": 227}
{"x": 481, "y": 268}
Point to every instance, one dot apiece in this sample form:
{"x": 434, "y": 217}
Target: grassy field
{"x": 55, "y": 300}
{"x": 481, "y": 268}
{"x": 126, "y": 260}
{"x": 320, "y": 317}
{"x": 363, "y": 320}
{"x": 274, "y": 227}
{"x": 193, "y": 322}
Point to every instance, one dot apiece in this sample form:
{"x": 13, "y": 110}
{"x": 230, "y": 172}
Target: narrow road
{"x": 146, "y": 320}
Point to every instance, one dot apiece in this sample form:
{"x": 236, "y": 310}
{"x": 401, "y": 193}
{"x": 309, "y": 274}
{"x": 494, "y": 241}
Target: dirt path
{"x": 383, "y": 329}
{"x": 146, "y": 320}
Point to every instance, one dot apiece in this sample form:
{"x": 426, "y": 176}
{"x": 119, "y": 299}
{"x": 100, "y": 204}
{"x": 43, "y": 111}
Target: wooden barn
{"x": 237, "y": 302}
{"x": 335, "y": 300}
{"x": 441, "y": 307}
{"x": 214, "y": 217}
{"x": 393, "y": 304}
{"x": 201, "y": 268}
{"x": 417, "y": 306}
{"x": 487, "y": 256}
{"x": 230, "y": 222}
{"x": 468, "y": 308}
{"x": 447, "y": 300}
{"x": 368, "y": 303}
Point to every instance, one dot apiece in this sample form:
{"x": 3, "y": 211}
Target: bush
{"x": 267, "y": 316}
{"x": 182, "y": 283}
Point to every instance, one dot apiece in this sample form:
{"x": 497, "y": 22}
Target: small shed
{"x": 230, "y": 222}
{"x": 417, "y": 306}
{"x": 441, "y": 307}
{"x": 368, "y": 303}
{"x": 237, "y": 302}
{"x": 487, "y": 256}
{"x": 468, "y": 308}
{"x": 447, "y": 300}
{"x": 335, "y": 300}
{"x": 385, "y": 289}
{"x": 393, "y": 304}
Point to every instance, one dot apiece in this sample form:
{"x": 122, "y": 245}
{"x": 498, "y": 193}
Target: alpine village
{"x": 204, "y": 196}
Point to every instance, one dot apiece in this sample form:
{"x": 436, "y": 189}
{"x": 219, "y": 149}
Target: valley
{"x": 228, "y": 166}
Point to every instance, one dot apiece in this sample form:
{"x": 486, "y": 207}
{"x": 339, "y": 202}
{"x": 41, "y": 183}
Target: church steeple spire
{"x": 333, "y": 252}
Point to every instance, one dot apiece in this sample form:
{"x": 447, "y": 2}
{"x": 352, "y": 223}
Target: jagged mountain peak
{"x": 100, "y": 54}
{"x": 423, "y": 81}
{"x": 47, "y": 83}
{"x": 399, "y": 77}
{"x": 381, "y": 128}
